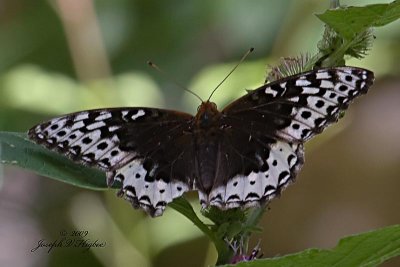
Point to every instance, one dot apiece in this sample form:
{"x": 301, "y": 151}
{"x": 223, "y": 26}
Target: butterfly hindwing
{"x": 125, "y": 143}
{"x": 260, "y": 180}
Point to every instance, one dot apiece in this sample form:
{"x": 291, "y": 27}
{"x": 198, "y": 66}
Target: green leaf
{"x": 350, "y": 21}
{"x": 16, "y": 149}
{"x": 367, "y": 249}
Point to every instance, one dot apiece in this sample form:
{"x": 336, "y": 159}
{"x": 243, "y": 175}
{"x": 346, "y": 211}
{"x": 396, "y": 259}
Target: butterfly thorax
{"x": 207, "y": 116}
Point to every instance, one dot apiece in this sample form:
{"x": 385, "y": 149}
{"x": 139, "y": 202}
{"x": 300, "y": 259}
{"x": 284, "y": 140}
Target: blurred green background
{"x": 61, "y": 56}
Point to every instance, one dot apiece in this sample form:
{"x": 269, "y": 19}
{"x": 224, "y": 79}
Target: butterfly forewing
{"x": 141, "y": 147}
{"x": 298, "y": 107}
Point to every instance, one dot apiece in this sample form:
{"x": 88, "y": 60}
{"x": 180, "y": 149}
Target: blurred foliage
{"x": 42, "y": 55}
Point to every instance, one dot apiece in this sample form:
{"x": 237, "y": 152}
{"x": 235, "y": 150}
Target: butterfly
{"x": 240, "y": 156}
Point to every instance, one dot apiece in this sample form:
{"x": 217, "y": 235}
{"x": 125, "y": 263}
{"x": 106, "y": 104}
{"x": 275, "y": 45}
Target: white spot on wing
{"x": 138, "y": 114}
{"x": 77, "y": 125}
{"x": 113, "y": 128}
{"x": 103, "y": 116}
{"x": 323, "y": 75}
{"x": 301, "y": 82}
{"x": 268, "y": 90}
{"x": 326, "y": 84}
{"x": 95, "y": 125}
{"x": 310, "y": 90}
{"x": 81, "y": 116}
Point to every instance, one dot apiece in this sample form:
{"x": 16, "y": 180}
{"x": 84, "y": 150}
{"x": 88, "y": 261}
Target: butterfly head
{"x": 207, "y": 114}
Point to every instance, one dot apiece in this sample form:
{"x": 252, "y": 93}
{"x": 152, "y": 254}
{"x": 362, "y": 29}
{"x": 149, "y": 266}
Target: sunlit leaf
{"x": 350, "y": 21}
{"x": 367, "y": 249}
{"x": 16, "y": 149}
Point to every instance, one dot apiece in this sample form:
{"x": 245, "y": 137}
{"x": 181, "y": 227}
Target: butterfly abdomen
{"x": 206, "y": 160}
{"x": 207, "y": 138}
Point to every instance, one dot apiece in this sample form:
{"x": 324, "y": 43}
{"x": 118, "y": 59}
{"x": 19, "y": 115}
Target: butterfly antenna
{"x": 165, "y": 75}
{"x": 234, "y": 68}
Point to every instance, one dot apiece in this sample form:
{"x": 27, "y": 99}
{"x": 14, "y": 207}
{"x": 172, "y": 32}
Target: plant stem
{"x": 225, "y": 253}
